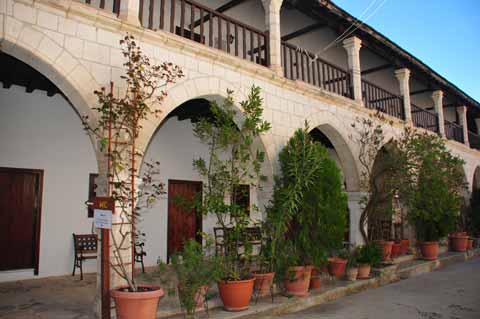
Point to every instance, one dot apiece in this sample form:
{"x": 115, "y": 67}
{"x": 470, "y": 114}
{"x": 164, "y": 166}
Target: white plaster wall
{"x": 174, "y": 146}
{"x": 41, "y": 132}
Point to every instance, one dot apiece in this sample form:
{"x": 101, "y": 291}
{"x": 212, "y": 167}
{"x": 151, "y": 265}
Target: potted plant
{"x": 352, "y": 265}
{"x": 265, "y": 273}
{"x": 432, "y": 184}
{"x": 458, "y": 241}
{"x": 338, "y": 263}
{"x": 396, "y": 249}
{"x": 232, "y": 160}
{"x": 367, "y": 256}
{"x": 308, "y": 211}
{"x": 117, "y": 128}
{"x": 195, "y": 271}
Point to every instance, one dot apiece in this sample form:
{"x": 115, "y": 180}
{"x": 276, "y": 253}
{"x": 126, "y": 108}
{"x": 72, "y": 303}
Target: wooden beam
{"x": 303, "y": 31}
{"x": 377, "y": 68}
{"x": 421, "y": 91}
{"x": 227, "y": 6}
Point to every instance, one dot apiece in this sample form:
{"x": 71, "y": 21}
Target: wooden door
{"x": 183, "y": 223}
{"x": 20, "y": 212}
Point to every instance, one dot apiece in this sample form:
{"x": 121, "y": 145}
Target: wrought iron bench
{"x": 85, "y": 246}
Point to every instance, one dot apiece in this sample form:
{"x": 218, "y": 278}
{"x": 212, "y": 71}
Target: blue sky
{"x": 444, "y": 34}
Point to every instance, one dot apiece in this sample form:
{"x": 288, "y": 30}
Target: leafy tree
{"x": 307, "y": 214}
{"x": 232, "y": 160}
{"x": 431, "y": 185}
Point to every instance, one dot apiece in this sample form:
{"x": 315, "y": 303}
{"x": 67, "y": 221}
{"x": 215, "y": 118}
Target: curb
{"x": 383, "y": 276}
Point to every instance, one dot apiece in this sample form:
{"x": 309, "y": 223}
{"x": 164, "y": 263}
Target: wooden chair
{"x": 85, "y": 246}
{"x": 139, "y": 254}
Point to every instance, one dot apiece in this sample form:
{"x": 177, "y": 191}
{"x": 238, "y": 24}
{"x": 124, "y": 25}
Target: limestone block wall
{"x": 76, "y": 47}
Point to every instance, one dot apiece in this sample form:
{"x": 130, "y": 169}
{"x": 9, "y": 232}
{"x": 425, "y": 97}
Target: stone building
{"x": 55, "y": 53}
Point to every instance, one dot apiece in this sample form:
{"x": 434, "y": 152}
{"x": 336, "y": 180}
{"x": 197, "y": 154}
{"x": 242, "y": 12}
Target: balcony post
{"x": 129, "y": 12}
{"x": 437, "y": 97}
{"x": 352, "y": 45}
{"x": 403, "y": 77}
{"x": 477, "y": 122}
{"x": 272, "y": 22}
{"x": 462, "y": 117}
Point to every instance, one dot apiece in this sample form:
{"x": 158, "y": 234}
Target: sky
{"x": 444, "y": 34}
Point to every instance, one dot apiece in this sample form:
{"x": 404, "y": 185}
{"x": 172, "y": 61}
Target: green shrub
{"x": 370, "y": 254}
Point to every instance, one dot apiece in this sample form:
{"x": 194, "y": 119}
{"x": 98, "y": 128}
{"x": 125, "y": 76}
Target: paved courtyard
{"x": 449, "y": 293}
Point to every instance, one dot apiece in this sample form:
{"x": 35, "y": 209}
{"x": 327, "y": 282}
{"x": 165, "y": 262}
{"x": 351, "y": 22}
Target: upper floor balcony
{"x": 310, "y": 41}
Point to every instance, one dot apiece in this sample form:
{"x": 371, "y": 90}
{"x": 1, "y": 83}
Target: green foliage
{"x": 369, "y": 254}
{"x": 431, "y": 185}
{"x": 117, "y": 127}
{"x": 193, "y": 269}
{"x": 233, "y": 160}
{"x": 307, "y": 215}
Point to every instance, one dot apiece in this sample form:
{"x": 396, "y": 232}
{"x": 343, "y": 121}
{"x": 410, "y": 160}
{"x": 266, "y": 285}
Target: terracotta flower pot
{"x": 458, "y": 242}
{"x": 364, "y": 271}
{"x": 315, "y": 279}
{"x": 263, "y": 283}
{"x": 298, "y": 281}
{"x": 236, "y": 295}
{"x": 470, "y": 244}
{"x": 396, "y": 250}
{"x": 405, "y": 245}
{"x": 141, "y": 304}
{"x": 386, "y": 248}
{"x": 336, "y": 266}
{"x": 429, "y": 250}
{"x": 352, "y": 274}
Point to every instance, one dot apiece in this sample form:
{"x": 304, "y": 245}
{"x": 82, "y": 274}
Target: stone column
{"x": 403, "y": 77}
{"x": 129, "y": 11}
{"x": 462, "y": 117}
{"x": 355, "y": 209}
{"x": 352, "y": 46}
{"x": 477, "y": 122}
{"x": 272, "y": 24}
{"x": 437, "y": 97}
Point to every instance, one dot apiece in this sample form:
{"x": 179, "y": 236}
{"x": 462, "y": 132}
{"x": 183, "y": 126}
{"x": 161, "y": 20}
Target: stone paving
{"x": 69, "y": 298}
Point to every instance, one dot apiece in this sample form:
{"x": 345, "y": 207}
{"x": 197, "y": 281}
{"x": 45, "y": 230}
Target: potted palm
{"x": 232, "y": 161}
{"x": 352, "y": 265}
{"x": 117, "y": 128}
{"x": 367, "y": 256}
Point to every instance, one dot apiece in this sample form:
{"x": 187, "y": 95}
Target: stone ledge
{"x": 335, "y": 289}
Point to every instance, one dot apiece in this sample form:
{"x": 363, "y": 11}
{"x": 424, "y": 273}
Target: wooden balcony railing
{"x": 453, "y": 131}
{"x": 424, "y": 119}
{"x": 379, "y": 99}
{"x": 201, "y": 24}
{"x": 474, "y": 140}
{"x": 299, "y": 64}
{"x": 109, "y": 5}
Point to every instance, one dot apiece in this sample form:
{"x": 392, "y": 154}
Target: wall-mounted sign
{"x": 103, "y": 209}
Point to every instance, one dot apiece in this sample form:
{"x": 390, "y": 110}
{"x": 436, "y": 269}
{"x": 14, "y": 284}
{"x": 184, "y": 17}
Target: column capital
{"x": 272, "y": 5}
{"x": 437, "y": 94}
{"x": 352, "y": 44}
{"x": 402, "y": 74}
{"x": 461, "y": 109}
{"x": 129, "y": 11}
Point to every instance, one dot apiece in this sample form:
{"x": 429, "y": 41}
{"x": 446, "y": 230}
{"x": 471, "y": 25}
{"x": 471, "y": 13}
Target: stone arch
{"x": 75, "y": 82}
{"x": 210, "y": 88}
{"x": 476, "y": 179}
{"x": 335, "y": 131}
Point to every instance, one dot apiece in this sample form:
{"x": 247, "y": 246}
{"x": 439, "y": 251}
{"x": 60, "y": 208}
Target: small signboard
{"x": 103, "y": 209}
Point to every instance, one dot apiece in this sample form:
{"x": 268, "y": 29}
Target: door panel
{"x": 183, "y": 223}
{"x": 19, "y": 218}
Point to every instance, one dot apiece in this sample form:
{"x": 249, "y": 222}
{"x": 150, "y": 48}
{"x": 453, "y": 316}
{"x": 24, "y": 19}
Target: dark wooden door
{"x": 183, "y": 223}
{"x": 20, "y": 210}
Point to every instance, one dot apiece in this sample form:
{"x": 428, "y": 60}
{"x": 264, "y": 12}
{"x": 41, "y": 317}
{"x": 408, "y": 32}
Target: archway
{"x": 175, "y": 146}
{"x": 41, "y": 131}
{"x": 339, "y": 151}
{"x": 473, "y": 209}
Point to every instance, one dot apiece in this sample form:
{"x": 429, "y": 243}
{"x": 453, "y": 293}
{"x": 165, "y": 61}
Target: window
{"x": 92, "y": 192}
{"x": 241, "y": 197}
